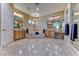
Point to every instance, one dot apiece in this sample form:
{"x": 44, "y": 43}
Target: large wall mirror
{"x": 57, "y": 25}
{"x": 18, "y": 23}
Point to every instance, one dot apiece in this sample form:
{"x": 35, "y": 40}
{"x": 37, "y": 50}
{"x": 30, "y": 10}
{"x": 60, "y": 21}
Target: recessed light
{"x": 33, "y": 45}
{"x": 20, "y": 51}
{"x": 37, "y": 9}
{"x": 56, "y": 52}
{"x": 46, "y": 49}
{"x": 48, "y": 45}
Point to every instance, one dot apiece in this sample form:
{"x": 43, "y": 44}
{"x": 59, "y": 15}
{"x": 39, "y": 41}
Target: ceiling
{"x": 75, "y": 7}
{"x": 44, "y": 8}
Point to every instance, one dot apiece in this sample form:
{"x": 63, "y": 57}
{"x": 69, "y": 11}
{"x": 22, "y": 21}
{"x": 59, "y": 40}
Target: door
{"x": 6, "y": 24}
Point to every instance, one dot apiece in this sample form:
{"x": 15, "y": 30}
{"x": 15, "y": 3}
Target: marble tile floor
{"x": 37, "y": 47}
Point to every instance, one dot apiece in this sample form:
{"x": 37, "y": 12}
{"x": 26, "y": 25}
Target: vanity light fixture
{"x": 55, "y": 17}
{"x": 17, "y": 14}
{"x": 76, "y": 13}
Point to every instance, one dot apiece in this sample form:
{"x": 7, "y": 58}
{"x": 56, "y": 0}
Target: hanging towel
{"x": 27, "y": 31}
{"x": 71, "y": 36}
{"x": 43, "y": 30}
{"x": 67, "y": 29}
{"x": 74, "y": 32}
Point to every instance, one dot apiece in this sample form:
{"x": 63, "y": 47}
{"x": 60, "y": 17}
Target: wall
{"x": 26, "y": 25}
{"x": 25, "y": 19}
{"x": 42, "y": 21}
{"x": 76, "y": 20}
{"x": 76, "y": 17}
{"x": 41, "y": 24}
{"x": 6, "y": 24}
{"x": 0, "y": 24}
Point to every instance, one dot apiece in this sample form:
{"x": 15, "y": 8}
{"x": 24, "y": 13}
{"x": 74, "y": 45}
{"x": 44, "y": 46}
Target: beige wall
{"x": 42, "y": 21}
{"x": 25, "y": 19}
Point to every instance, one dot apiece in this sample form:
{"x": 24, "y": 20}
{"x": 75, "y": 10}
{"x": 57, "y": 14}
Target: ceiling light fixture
{"x": 37, "y": 5}
{"x": 35, "y": 15}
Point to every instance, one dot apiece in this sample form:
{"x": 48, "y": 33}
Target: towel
{"x": 67, "y": 29}
{"x": 74, "y": 32}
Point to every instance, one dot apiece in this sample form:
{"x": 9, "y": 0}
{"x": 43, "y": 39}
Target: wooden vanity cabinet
{"x": 19, "y": 34}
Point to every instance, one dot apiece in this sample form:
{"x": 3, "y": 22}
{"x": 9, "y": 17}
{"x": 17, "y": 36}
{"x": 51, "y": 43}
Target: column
{"x": 68, "y": 19}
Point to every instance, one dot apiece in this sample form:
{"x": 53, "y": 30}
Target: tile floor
{"x": 38, "y": 47}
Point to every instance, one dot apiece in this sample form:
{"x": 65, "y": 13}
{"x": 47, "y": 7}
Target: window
{"x": 30, "y": 21}
{"x": 57, "y": 25}
{"x": 33, "y": 22}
